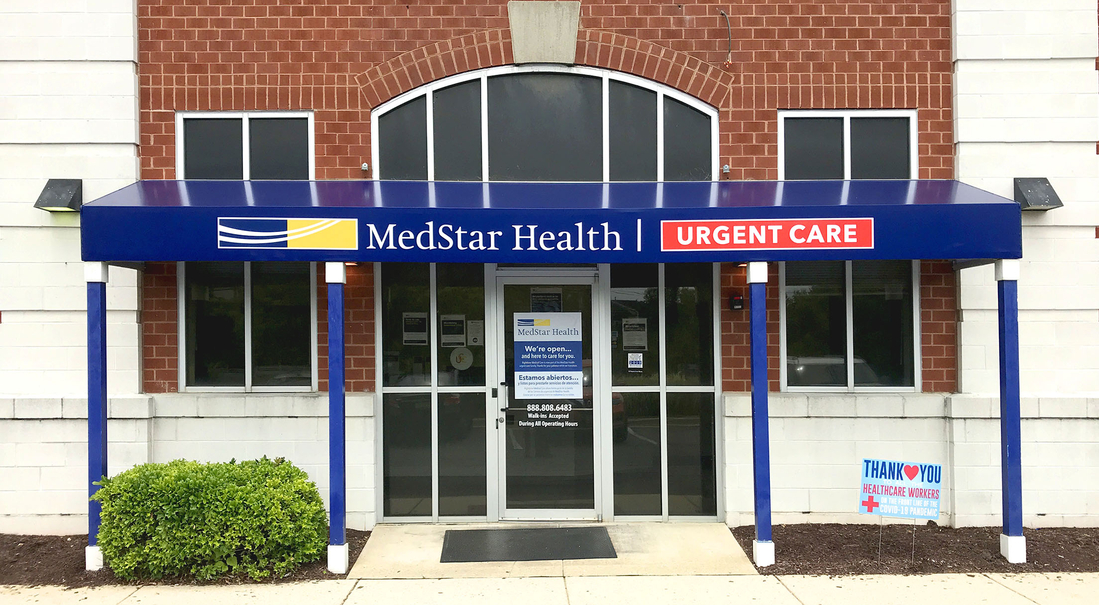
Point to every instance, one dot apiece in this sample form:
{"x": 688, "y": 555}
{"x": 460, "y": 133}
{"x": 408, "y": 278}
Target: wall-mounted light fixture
{"x": 1036, "y": 194}
{"x": 61, "y": 195}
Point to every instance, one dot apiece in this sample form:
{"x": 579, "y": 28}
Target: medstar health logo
{"x": 293, "y": 233}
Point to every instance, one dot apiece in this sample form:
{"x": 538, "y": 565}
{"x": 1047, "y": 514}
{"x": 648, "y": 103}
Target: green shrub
{"x": 205, "y": 520}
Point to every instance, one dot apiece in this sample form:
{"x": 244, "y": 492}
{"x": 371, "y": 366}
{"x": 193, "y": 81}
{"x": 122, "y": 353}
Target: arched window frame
{"x": 605, "y": 75}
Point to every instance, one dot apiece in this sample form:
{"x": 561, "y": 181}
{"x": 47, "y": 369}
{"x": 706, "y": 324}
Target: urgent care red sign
{"x": 779, "y": 234}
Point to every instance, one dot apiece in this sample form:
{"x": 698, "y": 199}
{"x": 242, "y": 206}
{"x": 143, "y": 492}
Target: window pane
{"x": 636, "y": 422}
{"x": 880, "y": 148}
{"x": 281, "y": 340}
{"x": 278, "y": 148}
{"x": 635, "y": 325}
{"x": 816, "y": 324}
{"x": 686, "y": 143}
{"x": 402, "y": 137}
{"x": 689, "y": 311}
{"x": 691, "y": 459}
{"x": 213, "y": 148}
{"x": 215, "y": 324}
{"x": 545, "y": 127}
{"x": 882, "y": 322}
{"x": 406, "y": 324}
{"x": 462, "y": 466}
{"x": 461, "y": 308}
{"x": 457, "y": 127}
{"x": 632, "y": 133}
{"x": 813, "y": 148}
{"x": 406, "y": 454}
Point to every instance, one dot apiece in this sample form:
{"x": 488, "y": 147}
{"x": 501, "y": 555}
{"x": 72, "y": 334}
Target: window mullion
{"x": 248, "y": 326}
{"x": 662, "y": 340}
{"x": 433, "y": 339}
{"x": 660, "y": 140}
{"x": 850, "y": 304}
{"x": 606, "y": 120}
{"x": 246, "y": 147}
{"x": 846, "y": 148}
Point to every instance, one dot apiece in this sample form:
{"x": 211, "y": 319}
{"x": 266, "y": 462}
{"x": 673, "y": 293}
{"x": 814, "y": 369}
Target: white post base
{"x": 337, "y": 558}
{"x": 763, "y": 553}
{"x": 1013, "y": 548}
{"x": 93, "y": 558}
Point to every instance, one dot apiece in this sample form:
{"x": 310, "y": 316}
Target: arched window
{"x": 544, "y": 123}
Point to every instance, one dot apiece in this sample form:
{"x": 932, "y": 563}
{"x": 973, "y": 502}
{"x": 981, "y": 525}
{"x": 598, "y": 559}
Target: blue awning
{"x": 510, "y": 222}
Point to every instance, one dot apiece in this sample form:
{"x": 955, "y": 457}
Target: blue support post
{"x": 336, "y": 276}
{"x": 763, "y": 549}
{"x": 96, "y": 277}
{"x": 1012, "y": 543}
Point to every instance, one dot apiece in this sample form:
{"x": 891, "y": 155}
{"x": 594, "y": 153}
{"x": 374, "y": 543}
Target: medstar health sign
{"x": 548, "y": 356}
{"x": 900, "y": 489}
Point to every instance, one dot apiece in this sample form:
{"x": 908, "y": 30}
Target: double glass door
{"x": 547, "y": 398}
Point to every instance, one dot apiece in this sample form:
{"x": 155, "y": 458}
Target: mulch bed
{"x": 833, "y": 549}
{"x": 59, "y": 560}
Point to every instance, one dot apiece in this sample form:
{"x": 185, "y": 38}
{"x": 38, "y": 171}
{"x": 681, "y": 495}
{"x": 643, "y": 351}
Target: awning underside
{"x": 549, "y": 222}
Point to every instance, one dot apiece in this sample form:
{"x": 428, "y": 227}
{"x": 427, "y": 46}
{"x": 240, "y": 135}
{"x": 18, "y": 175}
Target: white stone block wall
{"x": 1026, "y": 98}
{"x": 818, "y": 443}
{"x": 44, "y": 451}
{"x": 68, "y": 109}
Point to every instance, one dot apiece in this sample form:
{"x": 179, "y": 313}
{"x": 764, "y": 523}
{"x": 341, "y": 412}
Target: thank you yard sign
{"x": 909, "y": 490}
{"x": 548, "y": 356}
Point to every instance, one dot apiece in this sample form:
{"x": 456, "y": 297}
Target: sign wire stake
{"x": 913, "y": 556}
{"x": 879, "y": 536}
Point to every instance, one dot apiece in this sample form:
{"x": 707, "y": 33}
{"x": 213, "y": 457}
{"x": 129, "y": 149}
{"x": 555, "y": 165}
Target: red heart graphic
{"x": 911, "y": 470}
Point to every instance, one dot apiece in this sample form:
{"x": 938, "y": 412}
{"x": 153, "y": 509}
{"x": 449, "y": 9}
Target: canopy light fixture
{"x": 61, "y": 195}
{"x": 1036, "y": 194}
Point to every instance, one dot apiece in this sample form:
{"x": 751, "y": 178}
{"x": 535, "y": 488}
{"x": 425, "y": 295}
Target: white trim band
{"x": 337, "y": 558}
{"x": 93, "y": 558}
{"x": 95, "y": 272}
{"x": 757, "y": 273}
{"x": 1007, "y": 270}
{"x": 1013, "y": 548}
{"x": 763, "y": 553}
{"x": 335, "y": 273}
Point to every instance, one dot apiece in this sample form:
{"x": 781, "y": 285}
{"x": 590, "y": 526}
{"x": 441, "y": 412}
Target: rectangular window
{"x": 850, "y": 324}
{"x": 847, "y": 144}
{"x": 250, "y": 146}
{"x": 434, "y": 460}
{"x": 248, "y": 326}
{"x": 663, "y": 415}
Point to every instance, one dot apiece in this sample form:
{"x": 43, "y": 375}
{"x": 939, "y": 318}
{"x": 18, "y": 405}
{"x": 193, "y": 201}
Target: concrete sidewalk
{"x": 967, "y": 589}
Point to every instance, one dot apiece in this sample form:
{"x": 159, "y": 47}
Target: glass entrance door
{"x": 549, "y": 392}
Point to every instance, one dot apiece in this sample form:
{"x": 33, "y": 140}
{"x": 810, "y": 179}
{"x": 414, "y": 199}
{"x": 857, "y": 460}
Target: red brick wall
{"x": 339, "y": 58}
{"x": 939, "y": 326}
{"x": 159, "y": 335}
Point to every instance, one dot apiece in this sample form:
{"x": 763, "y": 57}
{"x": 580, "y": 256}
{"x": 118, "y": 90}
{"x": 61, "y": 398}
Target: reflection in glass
{"x": 215, "y": 324}
{"x": 635, "y": 325}
{"x": 462, "y": 474}
{"x": 691, "y": 455}
{"x": 280, "y": 324}
{"x": 406, "y": 337}
{"x": 635, "y": 420}
{"x": 689, "y": 312}
{"x": 549, "y": 466}
{"x": 882, "y": 323}
{"x": 461, "y": 308}
{"x": 406, "y": 454}
{"x": 816, "y": 324}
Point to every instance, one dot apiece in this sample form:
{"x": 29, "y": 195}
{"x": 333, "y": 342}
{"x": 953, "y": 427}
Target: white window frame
{"x": 181, "y": 288}
{"x": 914, "y": 170}
{"x": 606, "y": 75}
{"x": 847, "y": 114}
{"x": 245, "y": 117}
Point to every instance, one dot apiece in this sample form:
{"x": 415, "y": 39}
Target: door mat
{"x": 537, "y": 544}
